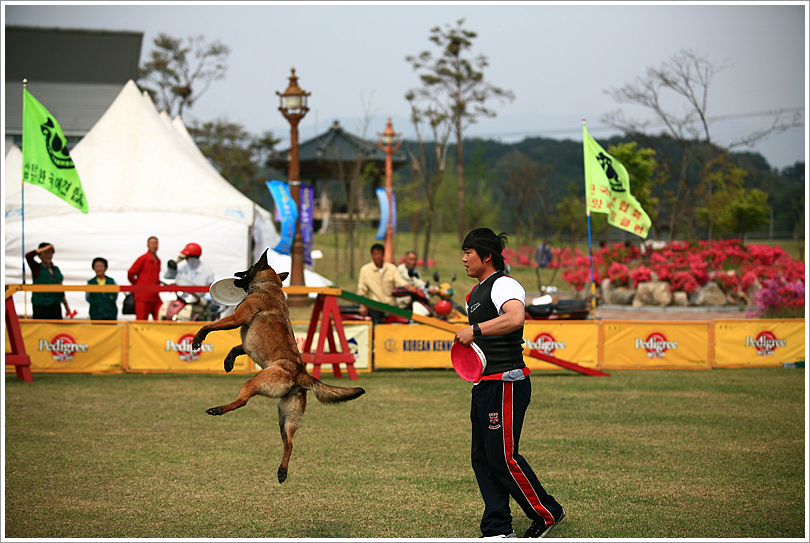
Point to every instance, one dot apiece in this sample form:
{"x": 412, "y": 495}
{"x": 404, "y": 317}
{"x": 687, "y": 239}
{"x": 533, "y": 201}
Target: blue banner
{"x": 287, "y": 212}
{"x": 393, "y": 212}
{"x": 383, "y": 198}
{"x": 307, "y": 208}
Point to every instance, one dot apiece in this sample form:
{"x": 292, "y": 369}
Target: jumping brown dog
{"x": 267, "y": 338}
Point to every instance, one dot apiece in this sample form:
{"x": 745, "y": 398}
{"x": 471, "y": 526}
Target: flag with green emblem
{"x": 46, "y": 161}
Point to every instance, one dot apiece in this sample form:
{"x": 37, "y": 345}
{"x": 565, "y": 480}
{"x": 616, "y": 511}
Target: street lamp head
{"x": 294, "y": 100}
{"x": 388, "y": 137}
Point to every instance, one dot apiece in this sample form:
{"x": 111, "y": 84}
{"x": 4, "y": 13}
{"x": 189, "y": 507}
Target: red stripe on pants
{"x": 509, "y": 452}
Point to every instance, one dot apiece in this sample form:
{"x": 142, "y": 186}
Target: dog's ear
{"x": 283, "y": 276}
{"x": 262, "y": 263}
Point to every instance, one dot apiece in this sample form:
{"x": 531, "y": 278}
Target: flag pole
{"x": 22, "y": 196}
{"x": 22, "y": 212}
{"x": 590, "y": 245}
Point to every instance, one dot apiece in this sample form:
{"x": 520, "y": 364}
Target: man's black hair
{"x": 379, "y": 246}
{"x": 102, "y": 260}
{"x": 485, "y": 242}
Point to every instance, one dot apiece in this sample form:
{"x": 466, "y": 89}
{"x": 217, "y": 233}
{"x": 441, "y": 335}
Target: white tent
{"x": 142, "y": 176}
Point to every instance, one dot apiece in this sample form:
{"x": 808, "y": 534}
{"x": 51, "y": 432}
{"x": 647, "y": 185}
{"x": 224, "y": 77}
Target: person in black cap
{"x": 495, "y": 307}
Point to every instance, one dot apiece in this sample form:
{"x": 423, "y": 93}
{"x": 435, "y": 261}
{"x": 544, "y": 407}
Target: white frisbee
{"x": 469, "y": 362}
{"x": 225, "y": 292}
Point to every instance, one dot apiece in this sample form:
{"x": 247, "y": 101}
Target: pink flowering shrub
{"x": 780, "y": 299}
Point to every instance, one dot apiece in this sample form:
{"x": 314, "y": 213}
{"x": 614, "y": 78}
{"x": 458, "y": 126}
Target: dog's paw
{"x": 228, "y": 364}
{"x": 214, "y": 411}
{"x": 196, "y": 341}
{"x": 282, "y": 475}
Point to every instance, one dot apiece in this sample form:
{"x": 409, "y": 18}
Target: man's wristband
{"x": 476, "y": 330}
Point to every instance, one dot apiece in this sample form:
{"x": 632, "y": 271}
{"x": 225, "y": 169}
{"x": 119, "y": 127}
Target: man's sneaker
{"x": 539, "y": 528}
{"x": 513, "y": 534}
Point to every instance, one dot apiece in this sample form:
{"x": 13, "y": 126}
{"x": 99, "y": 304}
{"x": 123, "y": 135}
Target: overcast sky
{"x": 558, "y": 60}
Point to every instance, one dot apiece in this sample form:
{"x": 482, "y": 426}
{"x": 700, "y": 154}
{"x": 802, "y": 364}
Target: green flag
{"x": 46, "y": 161}
{"x": 607, "y": 189}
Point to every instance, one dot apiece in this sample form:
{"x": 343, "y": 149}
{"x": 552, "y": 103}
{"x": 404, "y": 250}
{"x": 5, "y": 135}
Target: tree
{"x": 524, "y": 186}
{"x": 642, "y": 167}
{"x": 734, "y": 209}
{"x": 354, "y": 176}
{"x": 454, "y": 92}
{"x": 234, "y": 152}
{"x": 428, "y": 175}
{"x": 747, "y": 211}
{"x": 571, "y": 213}
{"x": 176, "y": 76}
{"x": 677, "y": 93}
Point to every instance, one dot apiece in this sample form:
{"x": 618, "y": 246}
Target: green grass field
{"x": 640, "y": 454}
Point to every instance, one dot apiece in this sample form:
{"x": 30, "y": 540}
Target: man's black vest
{"x": 504, "y": 352}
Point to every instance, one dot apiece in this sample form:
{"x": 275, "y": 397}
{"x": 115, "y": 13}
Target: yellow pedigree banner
{"x": 166, "y": 347}
{"x": 358, "y": 335}
{"x": 73, "y": 346}
{"x": 762, "y": 342}
{"x": 656, "y": 345}
{"x": 571, "y": 341}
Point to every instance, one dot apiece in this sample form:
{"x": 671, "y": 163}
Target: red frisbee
{"x": 469, "y": 362}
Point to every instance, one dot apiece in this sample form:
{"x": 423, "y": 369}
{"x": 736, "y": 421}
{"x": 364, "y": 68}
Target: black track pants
{"x": 496, "y": 413}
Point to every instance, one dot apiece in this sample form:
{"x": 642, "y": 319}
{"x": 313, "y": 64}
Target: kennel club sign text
{"x": 419, "y": 345}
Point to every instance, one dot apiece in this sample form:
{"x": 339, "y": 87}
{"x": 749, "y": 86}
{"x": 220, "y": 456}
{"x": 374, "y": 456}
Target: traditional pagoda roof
{"x": 318, "y": 156}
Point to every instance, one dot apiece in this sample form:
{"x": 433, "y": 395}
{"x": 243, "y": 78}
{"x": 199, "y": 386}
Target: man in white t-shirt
{"x": 495, "y": 307}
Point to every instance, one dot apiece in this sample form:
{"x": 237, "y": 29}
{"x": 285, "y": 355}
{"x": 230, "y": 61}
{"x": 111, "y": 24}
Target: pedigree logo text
{"x": 183, "y": 348}
{"x": 545, "y": 343}
{"x": 62, "y": 347}
{"x": 656, "y": 345}
{"x": 765, "y": 343}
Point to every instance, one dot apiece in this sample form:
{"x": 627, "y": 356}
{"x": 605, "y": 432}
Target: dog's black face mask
{"x": 244, "y": 281}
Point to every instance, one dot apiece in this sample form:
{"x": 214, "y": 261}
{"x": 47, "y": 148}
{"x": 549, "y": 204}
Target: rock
{"x": 616, "y": 295}
{"x": 680, "y": 298}
{"x": 753, "y": 289}
{"x": 736, "y": 297}
{"x": 710, "y": 294}
{"x": 653, "y": 293}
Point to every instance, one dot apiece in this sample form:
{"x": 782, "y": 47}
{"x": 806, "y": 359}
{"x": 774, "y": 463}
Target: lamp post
{"x": 392, "y": 142}
{"x": 293, "y": 105}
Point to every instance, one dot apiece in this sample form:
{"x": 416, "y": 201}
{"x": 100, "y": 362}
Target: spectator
{"x": 46, "y": 304}
{"x": 543, "y": 255}
{"x": 377, "y": 281}
{"x": 102, "y": 304}
{"x": 408, "y": 271}
{"x": 144, "y": 272}
{"x": 194, "y": 272}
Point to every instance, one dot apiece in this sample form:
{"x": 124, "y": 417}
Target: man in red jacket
{"x": 146, "y": 271}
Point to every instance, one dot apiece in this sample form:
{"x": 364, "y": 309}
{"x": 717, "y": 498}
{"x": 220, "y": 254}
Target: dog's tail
{"x": 328, "y": 393}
